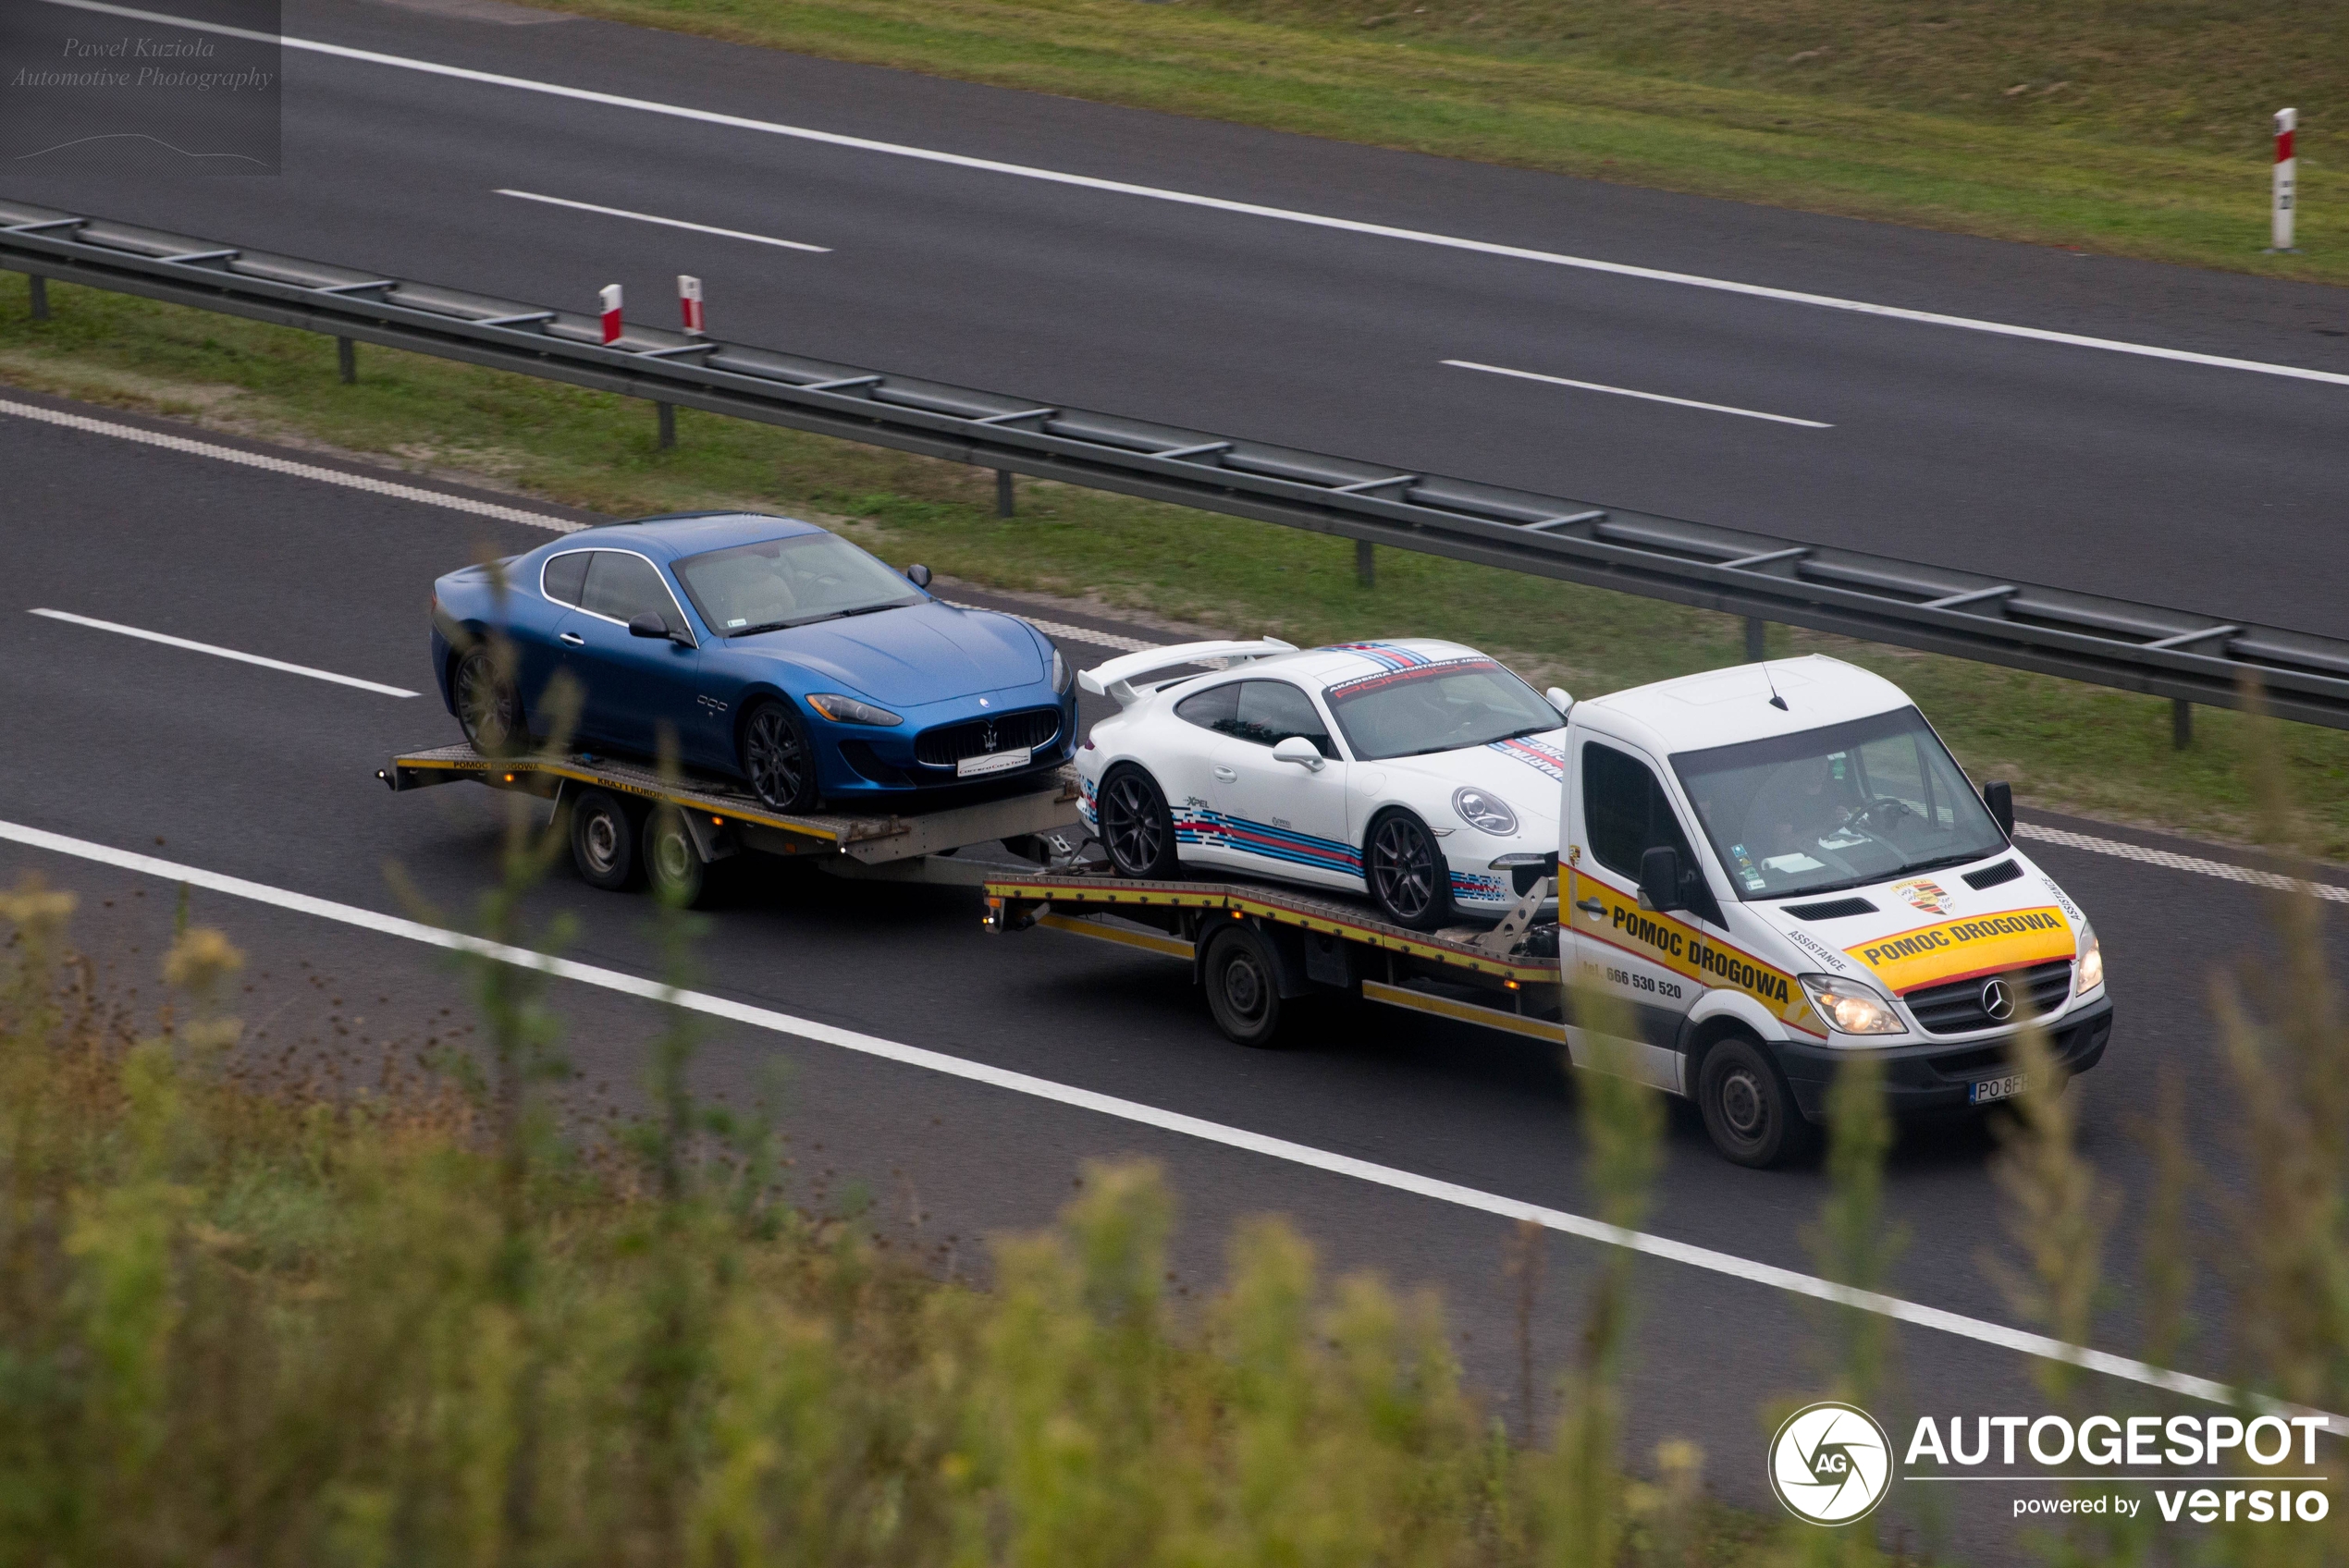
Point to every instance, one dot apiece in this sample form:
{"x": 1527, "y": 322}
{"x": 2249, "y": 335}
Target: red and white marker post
{"x": 689, "y": 302}
{"x": 2287, "y": 121}
{"x": 611, "y": 312}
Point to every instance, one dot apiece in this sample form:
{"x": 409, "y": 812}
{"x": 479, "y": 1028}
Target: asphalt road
{"x": 269, "y": 775}
{"x": 2214, "y": 489}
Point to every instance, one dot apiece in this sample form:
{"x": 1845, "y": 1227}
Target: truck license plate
{"x": 2004, "y": 1088}
{"x": 991, "y": 761}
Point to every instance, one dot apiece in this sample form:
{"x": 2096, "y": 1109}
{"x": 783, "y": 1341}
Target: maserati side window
{"x": 624, "y": 586}
{"x": 566, "y": 576}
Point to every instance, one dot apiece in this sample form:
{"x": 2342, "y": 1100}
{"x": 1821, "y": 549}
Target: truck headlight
{"x": 2091, "y": 961}
{"x": 848, "y": 710}
{"x": 1849, "y": 1007}
{"x": 1060, "y": 672}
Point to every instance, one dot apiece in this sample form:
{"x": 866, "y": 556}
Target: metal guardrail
{"x": 2166, "y": 652}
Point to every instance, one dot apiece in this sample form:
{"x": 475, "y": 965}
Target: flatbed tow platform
{"x": 1254, "y": 946}
{"x": 628, "y": 819}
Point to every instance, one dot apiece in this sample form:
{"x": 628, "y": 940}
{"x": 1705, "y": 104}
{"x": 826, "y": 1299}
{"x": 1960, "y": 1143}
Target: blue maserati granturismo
{"x": 772, "y": 651}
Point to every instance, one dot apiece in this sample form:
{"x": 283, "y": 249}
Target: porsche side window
{"x": 1626, "y": 811}
{"x": 1211, "y": 709}
{"x": 1271, "y": 711}
{"x": 566, "y": 576}
{"x": 623, "y": 587}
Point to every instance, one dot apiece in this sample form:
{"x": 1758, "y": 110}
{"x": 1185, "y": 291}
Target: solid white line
{"x": 262, "y": 461}
{"x": 1217, "y": 204}
{"x": 170, "y": 642}
{"x": 1644, "y": 397}
{"x": 667, "y": 222}
{"x": 1705, "y": 1258}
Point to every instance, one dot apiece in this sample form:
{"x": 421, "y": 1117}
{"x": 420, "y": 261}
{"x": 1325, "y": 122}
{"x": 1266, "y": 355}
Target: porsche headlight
{"x": 2090, "y": 972}
{"x": 1061, "y": 673}
{"x": 1849, "y": 1007}
{"x": 1486, "y": 812}
{"x": 848, "y": 710}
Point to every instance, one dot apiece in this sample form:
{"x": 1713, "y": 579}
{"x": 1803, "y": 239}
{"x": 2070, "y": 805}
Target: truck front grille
{"x": 1957, "y": 1008}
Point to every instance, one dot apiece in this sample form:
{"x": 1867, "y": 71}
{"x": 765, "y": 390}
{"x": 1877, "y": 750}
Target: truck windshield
{"x": 1836, "y": 807}
{"x": 780, "y": 582}
{"x": 1436, "y": 707}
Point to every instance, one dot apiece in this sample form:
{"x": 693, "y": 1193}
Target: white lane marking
{"x": 1219, "y": 203}
{"x": 2175, "y": 862}
{"x": 1644, "y": 397}
{"x": 667, "y": 222}
{"x": 288, "y": 466}
{"x": 170, "y": 642}
{"x": 1663, "y": 1247}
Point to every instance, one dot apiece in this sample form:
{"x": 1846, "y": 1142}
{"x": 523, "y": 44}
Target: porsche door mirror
{"x": 648, "y": 624}
{"x": 918, "y": 575}
{"x": 1660, "y": 879}
{"x": 1561, "y": 700}
{"x": 1300, "y": 750}
{"x": 1998, "y": 795}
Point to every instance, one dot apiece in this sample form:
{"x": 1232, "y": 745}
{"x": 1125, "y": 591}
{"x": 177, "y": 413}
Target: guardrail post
{"x": 667, "y": 425}
{"x": 2181, "y": 723}
{"x": 1365, "y": 563}
{"x": 347, "y": 361}
{"x": 1754, "y": 626}
{"x": 40, "y": 295}
{"x": 1003, "y": 497}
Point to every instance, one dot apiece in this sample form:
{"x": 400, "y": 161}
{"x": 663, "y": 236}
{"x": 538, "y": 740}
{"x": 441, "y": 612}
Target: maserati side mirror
{"x": 649, "y": 624}
{"x": 1300, "y": 750}
{"x": 918, "y": 575}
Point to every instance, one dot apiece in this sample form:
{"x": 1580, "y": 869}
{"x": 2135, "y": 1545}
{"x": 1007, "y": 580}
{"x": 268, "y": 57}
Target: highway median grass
{"x": 2107, "y": 126}
{"x": 2066, "y": 746}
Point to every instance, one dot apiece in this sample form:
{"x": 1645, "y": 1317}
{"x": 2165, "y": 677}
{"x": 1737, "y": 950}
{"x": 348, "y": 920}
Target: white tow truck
{"x": 1771, "y": 868}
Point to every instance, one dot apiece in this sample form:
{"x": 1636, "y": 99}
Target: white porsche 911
{"x": 1421, "y": 772}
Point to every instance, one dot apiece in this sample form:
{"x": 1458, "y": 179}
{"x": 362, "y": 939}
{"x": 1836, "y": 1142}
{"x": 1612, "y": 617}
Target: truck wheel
{"x": 1136, "y": 828}
{"x": 777, "y": 758}
{"x": 1749, "y": 1111}
{"x": 488, "y": 708}
{"x": 1410, "y": 879}
{"x": 603, "y": 840}
{"x": 672, "y": 860}
{"x": 1243, "y": 989}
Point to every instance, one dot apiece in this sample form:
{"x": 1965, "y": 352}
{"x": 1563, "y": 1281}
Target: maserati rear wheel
{"x": 1410, "y": 879}
{"x": 1137, "y": 827}
{"x": 488, "y": 708}
{"x": 777, "y": 758}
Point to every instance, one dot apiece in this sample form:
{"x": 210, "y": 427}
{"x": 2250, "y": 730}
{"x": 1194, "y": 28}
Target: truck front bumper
{"x": 1941, "y": 1076}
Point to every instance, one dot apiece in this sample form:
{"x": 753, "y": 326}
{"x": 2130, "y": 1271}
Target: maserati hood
{"x": 925, "y": 652}
{"x": 1933, "y": 929}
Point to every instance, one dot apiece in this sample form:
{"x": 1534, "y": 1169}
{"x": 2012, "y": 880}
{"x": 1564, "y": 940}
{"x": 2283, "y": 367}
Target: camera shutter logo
{"x": 1830, "y": 1463}
{"x": 1997, "y": 1000}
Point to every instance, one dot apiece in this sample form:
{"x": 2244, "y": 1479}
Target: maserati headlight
{"x": 1061, "y": 673}
{"x": 2091, "y": 961}
{"x": 848, "y": 710}
{"x": 1486, "y": 812}
{"x": 1849, "y": 1007}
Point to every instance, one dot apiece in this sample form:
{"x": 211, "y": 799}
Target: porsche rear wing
{"x": 1115, "y": 679}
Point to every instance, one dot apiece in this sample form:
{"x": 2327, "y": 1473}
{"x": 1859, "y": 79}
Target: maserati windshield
{"x": 1436, "y": 707}
{"x": 780, "y": 582}
{"x": 1836, "y": 807}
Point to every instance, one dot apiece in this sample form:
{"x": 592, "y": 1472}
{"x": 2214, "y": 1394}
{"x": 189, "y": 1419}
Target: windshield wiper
{"x": 813, "y": 619}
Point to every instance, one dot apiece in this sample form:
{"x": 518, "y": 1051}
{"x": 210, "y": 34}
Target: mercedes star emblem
{"x": 1996, "y": 1000}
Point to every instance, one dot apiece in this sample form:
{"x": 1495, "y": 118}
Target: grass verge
{"x": 2066, "y": 746}
{"x": 2118, "y": 128}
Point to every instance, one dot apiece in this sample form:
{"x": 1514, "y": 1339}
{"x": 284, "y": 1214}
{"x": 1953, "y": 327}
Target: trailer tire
{"x": 1410, "y": 879}
{"x": 603, "y": 840}
{"x": 672, "y": 860}
{"x": 777, "y": 759}
{"x": 1136, "y": 828}
{"x": 488, "y": 708}
{"x": 1749, "y": 1112}
{"x": 1243, "y": 986}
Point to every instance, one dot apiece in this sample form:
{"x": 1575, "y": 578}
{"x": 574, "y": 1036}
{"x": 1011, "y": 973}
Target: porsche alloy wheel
{"x": 1409, "y": 881}
{"x": 777, "y": 759}
{"x": 488, "y": 708}
{"x": 1136, "y": 828}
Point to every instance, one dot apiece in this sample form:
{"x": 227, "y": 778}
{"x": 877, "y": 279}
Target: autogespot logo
{"x": 1830, "y": 1463}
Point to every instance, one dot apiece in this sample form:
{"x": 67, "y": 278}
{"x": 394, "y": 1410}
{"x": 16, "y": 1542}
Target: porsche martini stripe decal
{"x": 1386, "y": 655}
{"x": 1543, "y": 759}
{"x": 1689, "y": 953}
{"x": 1959, "y": 950}
{"x": 1212, "y": 827}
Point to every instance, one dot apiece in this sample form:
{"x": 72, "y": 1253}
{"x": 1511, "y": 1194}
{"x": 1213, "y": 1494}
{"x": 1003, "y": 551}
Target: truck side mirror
{"x": 918, "y": 575}
{"x": 1299, "y": 750}
{"x": 1998, "y": 795}
{"x": 1660, "y": 880}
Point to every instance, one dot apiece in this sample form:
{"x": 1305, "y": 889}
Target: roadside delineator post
{"x": 611, "y": 312}
{"x": 2287, "y": 165}
{"x": 689, "y": 303}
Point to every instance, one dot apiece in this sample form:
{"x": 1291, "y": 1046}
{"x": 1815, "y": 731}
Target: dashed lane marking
{"x": 667, "y": 223}
{"x": 219, "y": 653}
{"x": 1644, "y": 397}
{"x": 1661, "y": 1248}
{"x": 2171, "y": 861}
